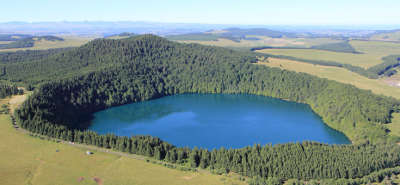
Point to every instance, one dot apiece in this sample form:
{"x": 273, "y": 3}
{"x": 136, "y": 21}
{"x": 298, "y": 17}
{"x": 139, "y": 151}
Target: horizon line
{"x": 200, "y": 23}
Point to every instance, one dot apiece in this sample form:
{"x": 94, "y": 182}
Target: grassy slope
{"x": 337, "y": 74}
{"x": 373, "y": 51}
{"x": 393, "y": 80}
{"x": 313, "y": 54}
{"x": 393, "y": 36}
{"x": 69, "y": 41}
{"x": 394, "y": 127}
{"x": 30, "y": 160}
{"x": 376, "y": 48}
{"x": 267, "y": 41}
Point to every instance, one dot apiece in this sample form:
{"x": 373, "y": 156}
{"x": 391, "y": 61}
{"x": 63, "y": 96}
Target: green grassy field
{"x": 266, "y": 41}
{"x": 30, "y": 160}
{"x": 69, "y": 41}
{"x": 376, "y": 49}
{"x": 394, "y": 127}
{"x": 372, "y": 53}
{"x": 393, "y": 36}
{"x": 377, "y": 86}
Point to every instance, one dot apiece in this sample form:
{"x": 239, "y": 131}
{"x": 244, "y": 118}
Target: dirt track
{"x": 16, "y": 101}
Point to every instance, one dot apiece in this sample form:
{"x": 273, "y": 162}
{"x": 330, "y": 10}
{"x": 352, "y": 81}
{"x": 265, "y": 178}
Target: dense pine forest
{"x": 75, "y": 83}
{"x": 28, "y": 55}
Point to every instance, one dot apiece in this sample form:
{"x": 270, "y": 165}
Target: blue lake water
{"x": 217, "y": 120}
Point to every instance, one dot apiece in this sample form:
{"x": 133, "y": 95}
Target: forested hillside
{"x": 28, "y": 55}
{"x": 387, "y": 67}
{"x": 106, "y": 72}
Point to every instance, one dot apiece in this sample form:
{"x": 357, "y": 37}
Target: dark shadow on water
{"x": 138, "y": 111}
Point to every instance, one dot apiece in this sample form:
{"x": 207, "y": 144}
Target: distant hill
{"x": 242, "y": 33}
{"x": 120, "y": 35}
{"x": 28, "y": 42}
{"x": 392, "y": 35}
{"x": 234, "y": 34}
{"x": 195, "y": 36}
{"x": 102, "y": 28}
{"x": 13, "y": 37}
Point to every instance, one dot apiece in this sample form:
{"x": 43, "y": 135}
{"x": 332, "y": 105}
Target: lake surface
{"x": 217, "y": 120}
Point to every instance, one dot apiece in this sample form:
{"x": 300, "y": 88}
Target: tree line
{"x": 387, "y": 66}
{"x": 28, "y": 55}
{"x": 386, "y": 177}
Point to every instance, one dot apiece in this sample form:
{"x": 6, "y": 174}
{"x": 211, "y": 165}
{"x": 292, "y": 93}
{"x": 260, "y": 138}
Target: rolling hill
{"x": 29, "y": 42}
{"x": 393, "y": 35}
{"x": 233, "y": 34}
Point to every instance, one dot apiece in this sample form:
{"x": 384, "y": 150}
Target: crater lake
{"x": 217, "y": 120}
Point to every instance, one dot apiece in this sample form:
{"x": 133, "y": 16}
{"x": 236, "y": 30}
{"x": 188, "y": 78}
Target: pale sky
{"x": 276, "y": 12}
